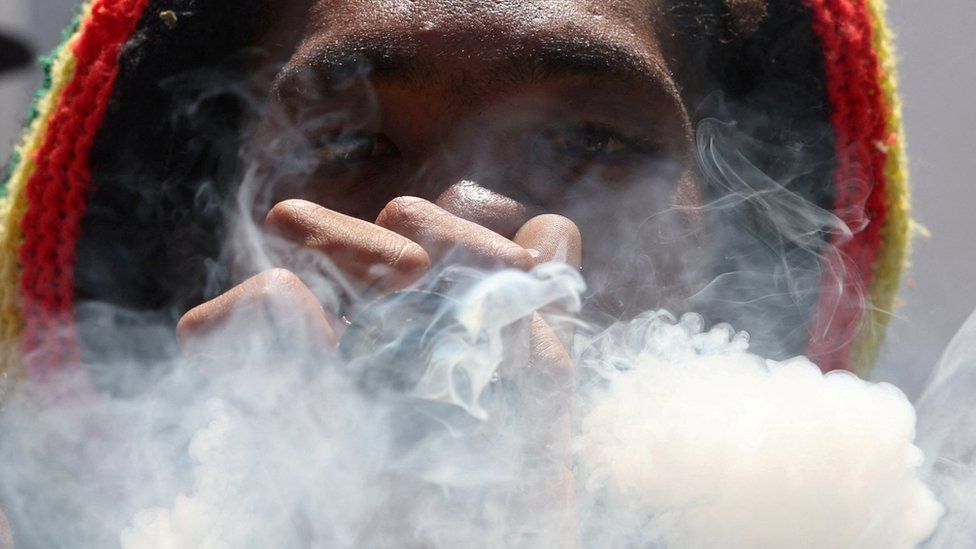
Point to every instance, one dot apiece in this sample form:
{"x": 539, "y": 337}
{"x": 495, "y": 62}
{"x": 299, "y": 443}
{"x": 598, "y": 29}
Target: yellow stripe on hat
{"x": 14, "y": 204}
{"x": 893, "y": 254}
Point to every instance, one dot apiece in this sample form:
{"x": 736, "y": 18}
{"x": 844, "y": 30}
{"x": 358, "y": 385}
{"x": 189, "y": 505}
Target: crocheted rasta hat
{"x": 108, "y": 199}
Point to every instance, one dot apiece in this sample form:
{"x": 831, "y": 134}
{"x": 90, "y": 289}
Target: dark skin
{"x": 499, "y": 133}
{"x": 486, "y": 133}
{"x": 496, "y": 134}
{"x": 511, "y": 130}
{"x": 571, "y": 111}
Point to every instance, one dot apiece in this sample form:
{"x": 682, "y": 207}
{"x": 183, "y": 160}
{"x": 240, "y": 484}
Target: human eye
{"x": 347, "y": 149}
{"x": 593, "y": 144}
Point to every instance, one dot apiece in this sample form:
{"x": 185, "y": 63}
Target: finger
{"x": 274, "y": 302}
{"x": 448, "y": 237}
{"x": 554, "y": 237}
{"x": 546, "y": 388}
{"x": 365, "y": 252}
{"x": 480, "y": 205}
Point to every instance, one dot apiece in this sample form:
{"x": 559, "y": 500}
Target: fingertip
{"x": 399, "y": 212}
{"x": 276, "y": 296}
{"x": 517, "y": 257}
{"x": 287, "y": 214}
{"x": 187, "y": 325}
{"x": 553, "y": 237}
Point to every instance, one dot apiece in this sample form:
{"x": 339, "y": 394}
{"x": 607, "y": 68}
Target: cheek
{"x": 645, "y": 247}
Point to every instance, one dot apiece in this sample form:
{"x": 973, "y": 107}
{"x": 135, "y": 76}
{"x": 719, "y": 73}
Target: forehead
{"x": 456, "y": 28}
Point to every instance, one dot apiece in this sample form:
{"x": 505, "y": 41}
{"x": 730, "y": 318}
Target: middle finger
{"x": 447, "y": 237}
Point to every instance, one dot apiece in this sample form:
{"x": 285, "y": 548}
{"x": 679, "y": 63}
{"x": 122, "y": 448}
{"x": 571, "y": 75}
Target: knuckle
{"x": 514, "y": 256}
{"x": 410, "y": 257}
{"x": 548, "y": 353}
{"x": 552, "y": 359}
{"x": 278, "y": 280}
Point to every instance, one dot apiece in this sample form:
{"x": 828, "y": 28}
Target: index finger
{"x": 545, "y": 388}
{"x": 362, "y": 250}
{"x": 446, "y": 236}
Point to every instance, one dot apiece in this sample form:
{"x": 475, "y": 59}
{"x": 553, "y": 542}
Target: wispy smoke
{"x": 947, "y": 433}
{"x": 684, "y": 439}
{"x": 435, "y": 423}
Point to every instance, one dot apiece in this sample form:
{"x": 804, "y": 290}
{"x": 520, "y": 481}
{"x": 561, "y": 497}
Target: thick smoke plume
{"x": 684, "y": 439}
{"x": 694, "y": 442}
{"x": 435, "y": 428}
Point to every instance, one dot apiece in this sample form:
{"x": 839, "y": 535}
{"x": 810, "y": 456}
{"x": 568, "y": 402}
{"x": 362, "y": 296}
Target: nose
{"x": 469, "y": 200}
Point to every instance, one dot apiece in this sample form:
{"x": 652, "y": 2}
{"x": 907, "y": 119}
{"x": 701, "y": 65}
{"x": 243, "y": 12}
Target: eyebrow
{"x": 398, "y": 60}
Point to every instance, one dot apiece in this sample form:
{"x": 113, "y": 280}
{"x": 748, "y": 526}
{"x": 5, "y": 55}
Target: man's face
{"x": 498, "y": 111}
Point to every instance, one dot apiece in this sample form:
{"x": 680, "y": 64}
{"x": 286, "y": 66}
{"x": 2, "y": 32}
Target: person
{"x": 739, "y": 158}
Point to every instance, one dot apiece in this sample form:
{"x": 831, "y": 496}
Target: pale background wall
{"x": 938, "y": 82}
{"x": 938, "y": 74}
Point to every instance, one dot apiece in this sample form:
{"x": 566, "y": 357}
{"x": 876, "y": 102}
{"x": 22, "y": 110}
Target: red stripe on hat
{"x": 59, "y": 188}
{"x": 853, "y": 88}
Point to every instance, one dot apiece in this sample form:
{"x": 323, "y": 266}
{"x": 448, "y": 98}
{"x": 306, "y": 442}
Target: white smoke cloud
{"x": 683, "y": 439}
{"x": 690, "y": 441}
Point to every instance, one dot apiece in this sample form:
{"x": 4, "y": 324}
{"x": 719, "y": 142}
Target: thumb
{"x": 545, "y": 508}
{"x": 554, "y": 237}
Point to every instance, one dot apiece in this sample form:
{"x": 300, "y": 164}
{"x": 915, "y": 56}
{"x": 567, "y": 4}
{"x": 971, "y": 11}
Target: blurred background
{"x": 938, "y": 83}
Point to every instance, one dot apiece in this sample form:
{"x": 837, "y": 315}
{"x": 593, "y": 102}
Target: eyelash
{"x": 353, "y": 148}
{"x": 591, "y": 142}
{"x": 565, "y": 144}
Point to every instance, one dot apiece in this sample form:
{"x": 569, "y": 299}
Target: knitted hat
{"x": 102, "y": 203}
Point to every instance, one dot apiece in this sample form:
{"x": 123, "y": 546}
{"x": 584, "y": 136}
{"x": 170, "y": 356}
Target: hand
{"x": 391, "y": 254}
{"x": 408, "y": 236}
